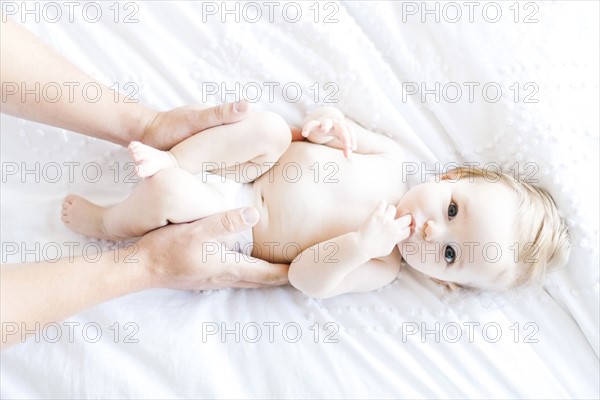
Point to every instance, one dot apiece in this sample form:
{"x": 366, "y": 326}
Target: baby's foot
{"x": 149, "y": 160}
{"x": 84, "y": 217}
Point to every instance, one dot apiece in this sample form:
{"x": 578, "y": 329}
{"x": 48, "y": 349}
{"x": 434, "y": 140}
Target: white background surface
{"x": 369, "y": 53}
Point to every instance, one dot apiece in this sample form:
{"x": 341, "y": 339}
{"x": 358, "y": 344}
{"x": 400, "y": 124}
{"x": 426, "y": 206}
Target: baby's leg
{"x": 172, "y": 195}
{"x": 259, "y": 139}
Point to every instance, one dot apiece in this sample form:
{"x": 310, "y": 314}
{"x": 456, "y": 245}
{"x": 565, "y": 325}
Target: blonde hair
{"x": 538, "y": 225}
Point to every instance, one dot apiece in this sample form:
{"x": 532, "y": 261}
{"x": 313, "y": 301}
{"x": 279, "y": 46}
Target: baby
{"x": 337, "y": 208}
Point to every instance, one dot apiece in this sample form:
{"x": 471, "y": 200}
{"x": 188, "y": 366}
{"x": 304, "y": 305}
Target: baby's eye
{"x": 449, "y": 254}
{"x": 452, "y": 209}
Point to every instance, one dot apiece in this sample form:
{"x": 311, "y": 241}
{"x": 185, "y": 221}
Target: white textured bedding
{"x": 375, "y": 346}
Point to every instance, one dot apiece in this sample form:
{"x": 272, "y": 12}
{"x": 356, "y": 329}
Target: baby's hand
{"x": 381, "y": 231}
{"x": 326, "y": 124}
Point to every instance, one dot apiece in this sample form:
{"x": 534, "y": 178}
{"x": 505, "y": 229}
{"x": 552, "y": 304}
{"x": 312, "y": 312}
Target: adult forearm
{"x": 39, "y": 293}
{"x": 41, "y": 85}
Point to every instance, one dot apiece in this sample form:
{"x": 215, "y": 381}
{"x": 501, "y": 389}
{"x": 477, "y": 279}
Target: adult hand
{"x": 175, "y": 256}
{"x": 165, "y": 129}
{"x": 192, "y": 256}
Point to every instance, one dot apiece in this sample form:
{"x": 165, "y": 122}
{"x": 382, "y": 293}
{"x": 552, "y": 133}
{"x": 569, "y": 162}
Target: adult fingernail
{"x": 240, "y": 106}
{"x": 250, "y": 215}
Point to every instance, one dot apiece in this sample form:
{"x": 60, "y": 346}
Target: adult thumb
{"x": 222, "y": 114}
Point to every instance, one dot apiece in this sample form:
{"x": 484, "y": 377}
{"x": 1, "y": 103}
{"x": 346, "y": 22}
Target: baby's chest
{"x": 319, "y": 171}
{"x": 320, "y": 185}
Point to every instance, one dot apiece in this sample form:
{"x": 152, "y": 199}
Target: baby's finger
{"x": 404, "y": 221}
{"x": 402, "y": 228}
{"x": 352, "y": 136}
{"x": 346, "y": 152}
{"x": 326, "y": 125}
{"x": 403, "y": 234}
{"x": 380, "y": 209}
{"x": 390, "y": 212}
{"x": 344, "y": 137}
{"x": 309, "y": 127}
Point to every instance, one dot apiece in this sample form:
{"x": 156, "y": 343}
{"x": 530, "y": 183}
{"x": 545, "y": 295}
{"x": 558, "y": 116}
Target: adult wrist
{"x": 137, "y": 122}
{"x": 137, "y": 262}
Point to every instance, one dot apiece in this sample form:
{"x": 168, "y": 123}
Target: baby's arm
{"x": 354, "y": 262}
{"x": 328, "y": 126}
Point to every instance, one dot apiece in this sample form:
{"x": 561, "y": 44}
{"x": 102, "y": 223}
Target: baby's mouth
{"x": 413, "y": 227}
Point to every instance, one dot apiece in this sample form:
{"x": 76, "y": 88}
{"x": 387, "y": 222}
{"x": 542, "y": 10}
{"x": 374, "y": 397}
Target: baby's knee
{"x": 274, "y": 129}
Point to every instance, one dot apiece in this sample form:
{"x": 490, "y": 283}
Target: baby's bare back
{"x": 314, "y": 194}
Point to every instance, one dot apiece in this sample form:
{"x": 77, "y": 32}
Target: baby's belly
{"x": 313, "y": 196}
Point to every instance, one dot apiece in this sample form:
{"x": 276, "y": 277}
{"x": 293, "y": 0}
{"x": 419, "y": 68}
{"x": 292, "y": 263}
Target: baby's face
{"x": 462, "y": 231}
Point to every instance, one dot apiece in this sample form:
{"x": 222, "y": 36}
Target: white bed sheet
{"x": 369, "y": 53}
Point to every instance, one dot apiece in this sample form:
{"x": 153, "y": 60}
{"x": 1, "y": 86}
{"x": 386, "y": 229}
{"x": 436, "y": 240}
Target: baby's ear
{"x": 450, "y": 286}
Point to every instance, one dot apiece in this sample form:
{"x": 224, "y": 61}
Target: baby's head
{"x": 482, "y": 229}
